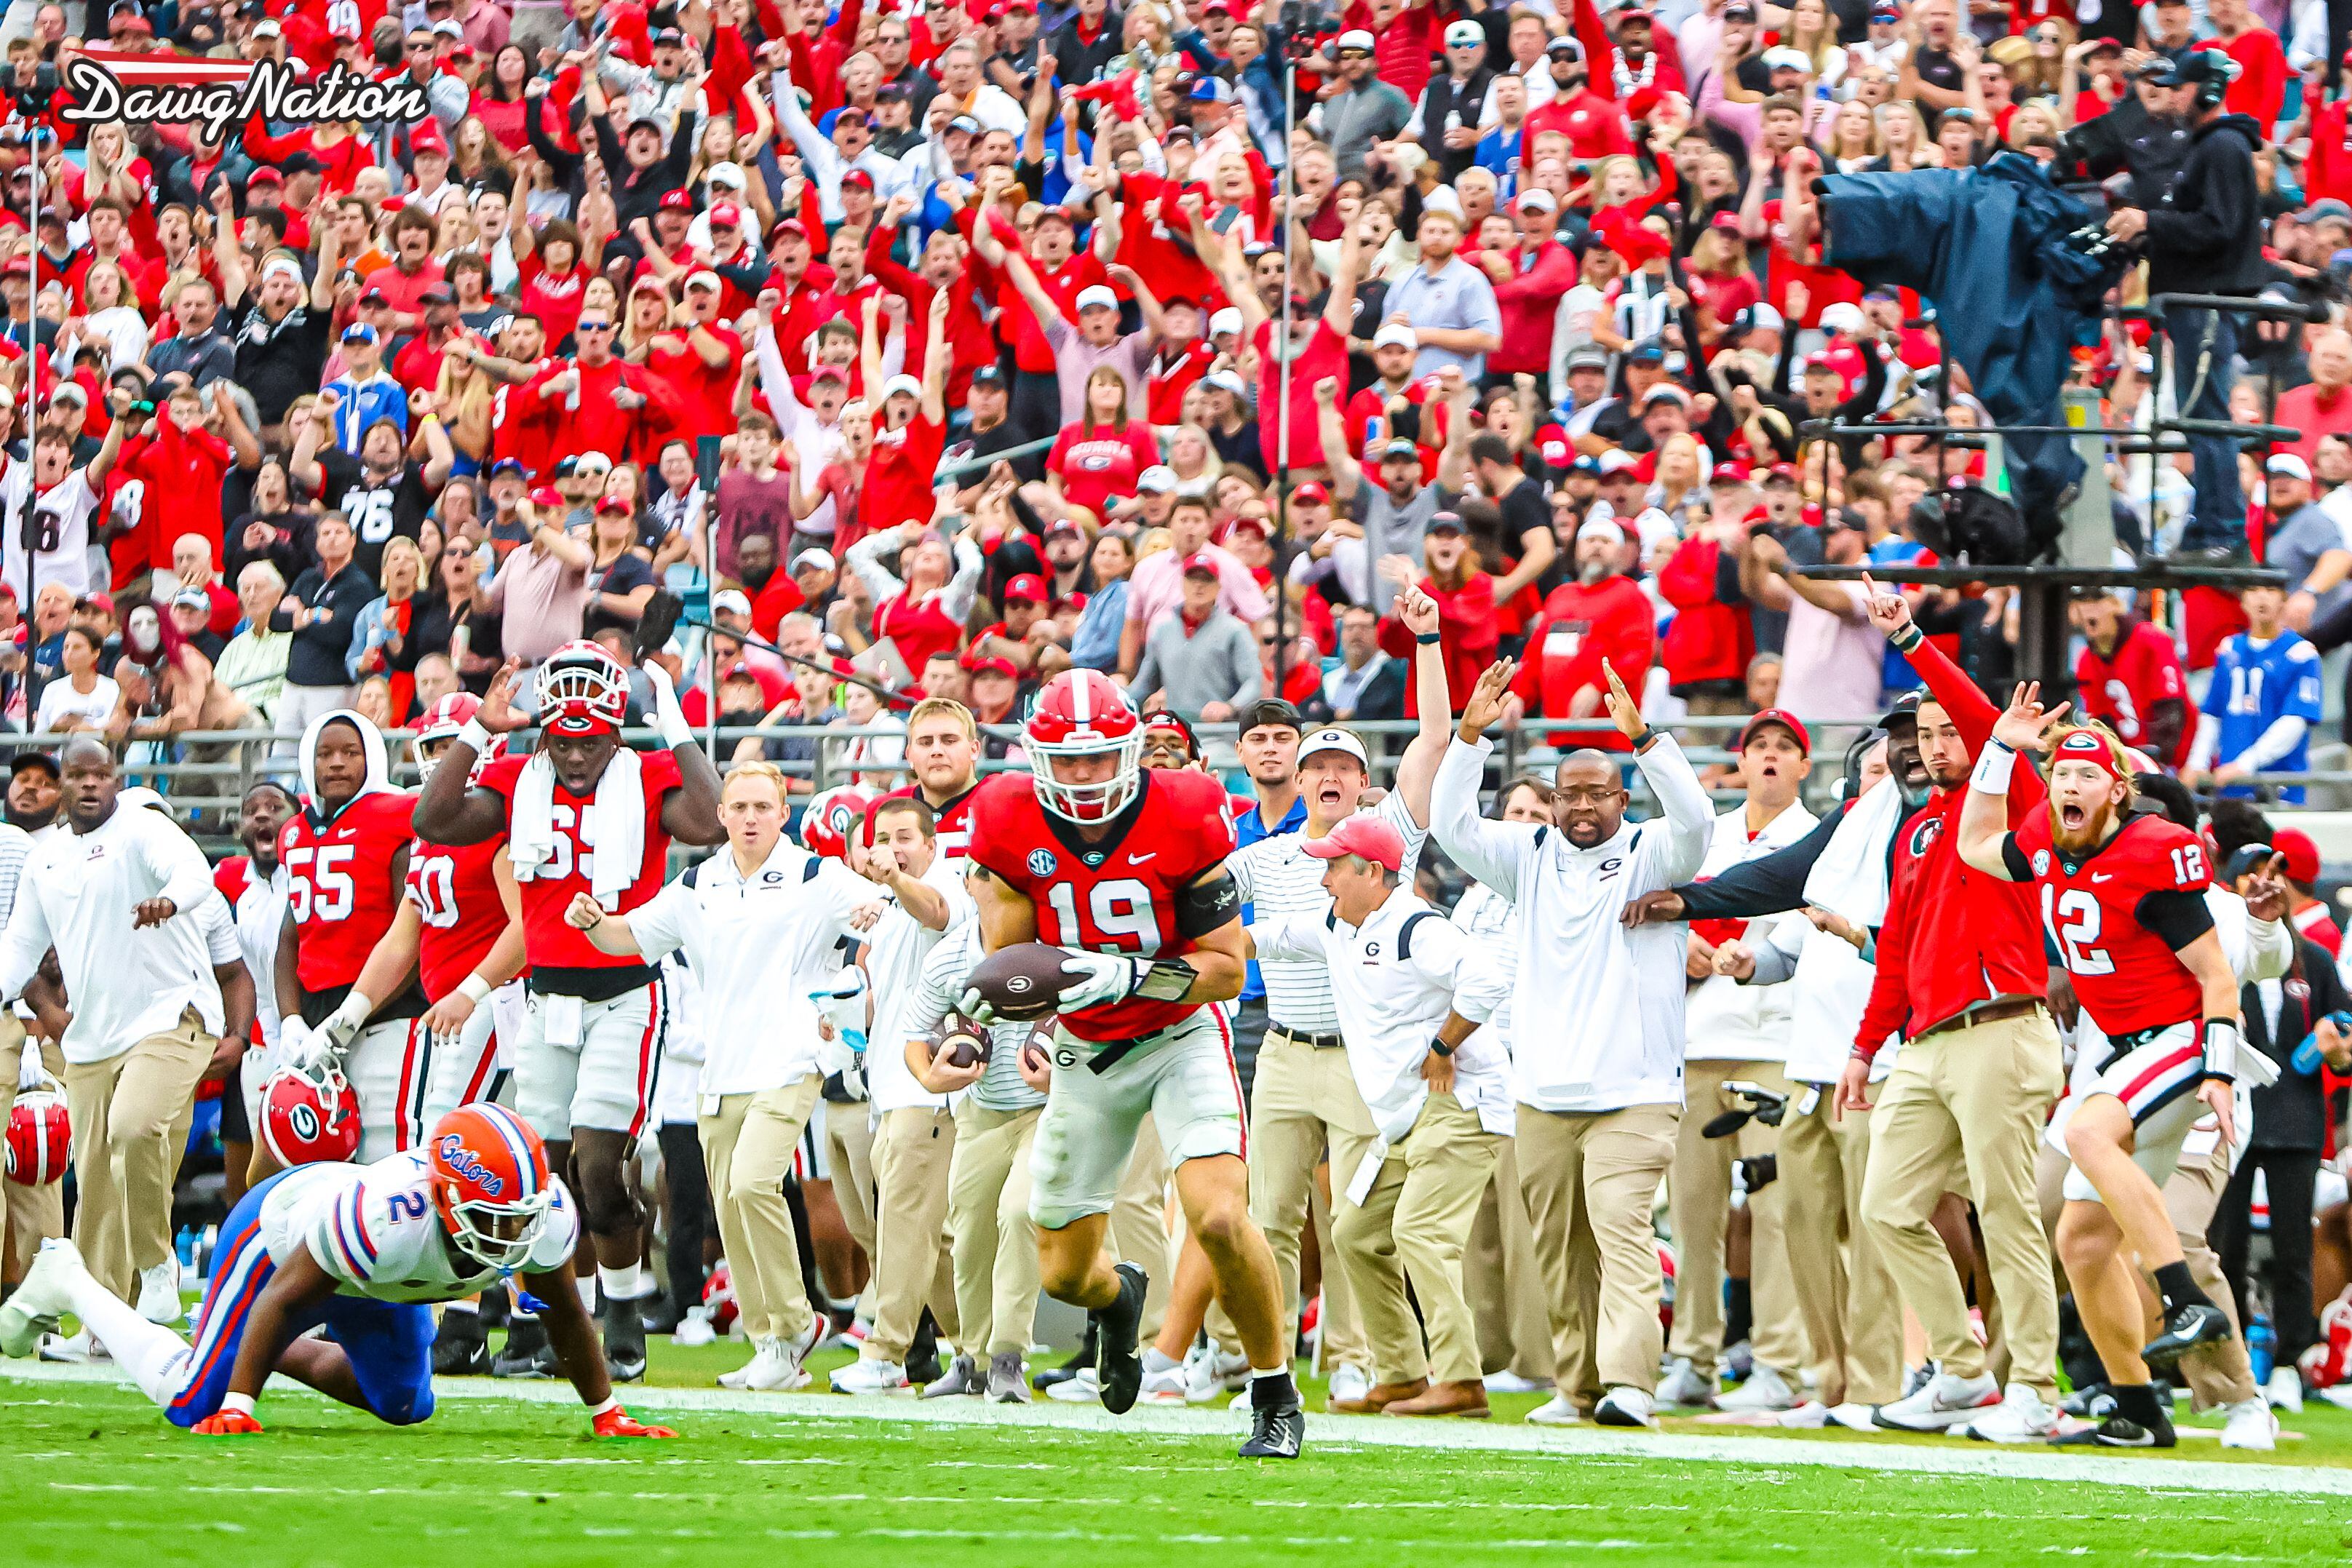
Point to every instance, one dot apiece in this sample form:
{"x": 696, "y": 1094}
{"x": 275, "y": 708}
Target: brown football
{"x": 960, "y": 1041}
{"x": 1023, "y": 983}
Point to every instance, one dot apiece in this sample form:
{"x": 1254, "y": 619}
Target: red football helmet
{"x": 308, "y": 1117}
{"x": 1080, "y": 714}
{"x": 582, "y": 690}
{"x": 490, "y": 1184}
{"x": 439, "y": 726}
{"x": 40, "y": 1135}
{"x": 832, "y": 819}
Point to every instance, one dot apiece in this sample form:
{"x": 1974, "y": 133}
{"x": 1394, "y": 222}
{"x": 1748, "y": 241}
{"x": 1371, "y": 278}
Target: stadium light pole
{"x": 1281, "y": 336}
{"x": 28, "y": 524}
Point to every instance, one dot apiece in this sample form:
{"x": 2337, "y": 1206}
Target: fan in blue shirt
{"x": 2263, "y": 700}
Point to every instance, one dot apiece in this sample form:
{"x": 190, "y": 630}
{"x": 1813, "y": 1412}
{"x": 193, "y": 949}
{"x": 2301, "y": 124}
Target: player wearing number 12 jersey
{"x": 2122, "y": 898}
{"x": 1125, "y": 871}
{"x": 583, "y": 814}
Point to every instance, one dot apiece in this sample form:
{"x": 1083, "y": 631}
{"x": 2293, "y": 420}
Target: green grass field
{"x": 91, "y": 1474}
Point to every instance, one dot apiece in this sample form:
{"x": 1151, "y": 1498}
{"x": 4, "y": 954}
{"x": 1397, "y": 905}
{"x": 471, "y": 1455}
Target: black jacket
{"x": 317, "y": 657}
{"x": 2206, "y": 235}
{"x": 2292, "y": 1113}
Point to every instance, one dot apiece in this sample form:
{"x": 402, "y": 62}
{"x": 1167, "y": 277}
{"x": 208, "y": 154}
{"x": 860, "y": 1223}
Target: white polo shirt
{"x": 1281, "y": 882}
{"x": 894, "y": 969}
{"x": 1722, "y": 1020}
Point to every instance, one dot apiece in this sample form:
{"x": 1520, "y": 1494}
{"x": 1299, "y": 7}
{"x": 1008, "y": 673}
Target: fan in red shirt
{"x": 2323, "y": 405}
{"x": 908, "y": 436}
{"x": 1600, "y": 618}
{"x": 596, "y": 402}
{"x": 1099, "y": 457}
{"x": 2129, "y": 678}
{"x": 698, "y": 357}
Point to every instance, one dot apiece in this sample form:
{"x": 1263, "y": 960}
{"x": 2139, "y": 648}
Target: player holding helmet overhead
{"x": 2123, "y": 901}
{"x": 1125, "y": 870}
{"x": 359, "y": 1251}
{"x": 583, "y": 814}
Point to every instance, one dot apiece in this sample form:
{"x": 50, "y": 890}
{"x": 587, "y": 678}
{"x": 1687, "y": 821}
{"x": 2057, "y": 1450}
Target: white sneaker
{"x": 1685, "y": 1384}
{"x": 736, "y": 1378}
{"x": 1626, "y": 1405}
{"x": 867, "y": 1376}
{"x": 1081, "y": 1389}
{"x": 41, "y": 1300}
{"x": 1559, "y": 1411}
{"x": 1853, "y": 1415}
{"x": 75, "y": 1350}
{"x": 1765, "y": 1389}
{"x": 1165, "y": 1387}
{"x": 2285, "y": 1390}
{"x": 694, "y": 1330}
{"x": 159, "y": 1293}
{"x": 2251, "y": 1425}
{"x": 1811, "y": 1416}
{"x": 775, "y": 1370}
{"x": 1509, "y": 1382}
{"x": 2021, "y": 1416}
{"x": 1942, "y": 1403}
{"x": 1211, "y": 1373}
{"x": 1353, "y": 1382}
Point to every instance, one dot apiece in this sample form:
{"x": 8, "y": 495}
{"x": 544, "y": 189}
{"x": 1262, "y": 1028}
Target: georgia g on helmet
{"x": 831, "y": 821}
{"x": 439, "y": 726}
{"x": 310, "y": 1116}
{"x": 1080, "y": 715}
{"x": 582, "y": 690}
{"x": 40, "y": 1136}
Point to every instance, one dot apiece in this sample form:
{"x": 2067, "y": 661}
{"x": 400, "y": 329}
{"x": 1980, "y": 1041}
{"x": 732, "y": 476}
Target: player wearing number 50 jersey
{"x": 2122, "y": 898}
{"x": 357, "y": 1251}
{"x": 1125, "y": 871}
{"x": 345, "y": 855}
{"x": 583, "y": 814}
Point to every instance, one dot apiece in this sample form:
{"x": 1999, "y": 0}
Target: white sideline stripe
{"x": 1935, "y": 1456}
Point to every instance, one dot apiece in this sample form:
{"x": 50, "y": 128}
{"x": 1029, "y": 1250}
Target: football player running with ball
{"x": 2122, "y": 898}
{"x": 1125, "y": 871}
{"x": 360, "y": 1251}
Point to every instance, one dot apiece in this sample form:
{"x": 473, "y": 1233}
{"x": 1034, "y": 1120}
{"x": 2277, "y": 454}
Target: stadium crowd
{"x": 1241, "y": 353}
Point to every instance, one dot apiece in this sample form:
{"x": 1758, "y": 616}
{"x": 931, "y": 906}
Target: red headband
{"x": 2086, "y": 746}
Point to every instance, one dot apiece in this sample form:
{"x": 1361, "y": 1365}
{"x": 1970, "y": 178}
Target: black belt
{"x": 1320, "y": 1041}
{"x": 1119, "y": 1050}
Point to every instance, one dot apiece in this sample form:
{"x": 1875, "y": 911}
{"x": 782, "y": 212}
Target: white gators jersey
{"x": 374, "y": 1229}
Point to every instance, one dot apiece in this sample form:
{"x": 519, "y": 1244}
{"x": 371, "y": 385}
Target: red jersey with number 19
{"x": 1115, "y": 897}
{"x": 2119, "y": 916}
{"x": 549, "y": 940}
{"x": 461, "y": 914}
{"x": 338, "y": 886}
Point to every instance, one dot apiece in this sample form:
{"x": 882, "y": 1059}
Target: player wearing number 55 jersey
{"x": 357, "y": 1251}
{"x": 2122, "y": 897}
{"x": 1125, "y": 871}
{"x": 583, "y": 814}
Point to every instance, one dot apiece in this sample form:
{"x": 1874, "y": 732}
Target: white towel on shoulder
{"x": 614, "y": 827}
{"x": 1851, "y": 876}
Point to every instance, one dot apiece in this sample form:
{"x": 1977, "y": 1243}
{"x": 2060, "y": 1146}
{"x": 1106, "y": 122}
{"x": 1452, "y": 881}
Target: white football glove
{"x": 301, "y": 1047}
{"x": 668, "y": 718}
{"x": 1100, "y": 978}
{"x": 975, "y": 1007}
{"x": 344, "y": 1025}
{"x": 29, "y": 1071}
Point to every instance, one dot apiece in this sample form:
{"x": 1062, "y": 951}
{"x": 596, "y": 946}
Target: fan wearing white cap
{"x": 1365, "y": 111}
{"x": 910, "y": 429}
{"x": 1095, "y": 341}
{"x": 1444, "y": 123}
{"x": 2306, "y": 542}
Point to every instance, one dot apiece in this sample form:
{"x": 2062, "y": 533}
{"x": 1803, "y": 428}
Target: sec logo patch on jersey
{"x": 2042, "y": 862}
{"x": 1042, "y": 863}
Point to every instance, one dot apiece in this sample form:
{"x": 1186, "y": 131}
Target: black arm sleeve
{"x": 2176, "y": 915}
{"x": 2013, "y": 861}
{"x": 1203, "y": 906}
{"x": 1768, "y": 887}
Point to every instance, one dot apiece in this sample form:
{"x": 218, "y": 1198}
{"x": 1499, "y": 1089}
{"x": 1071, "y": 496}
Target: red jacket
{"x": 1530, "y": 301}
{"x": 1468, "y": 631}
{"x": 1953, "y": 935}
{"x": 1578, "y": 628}
{"x": 1707, "y": 640}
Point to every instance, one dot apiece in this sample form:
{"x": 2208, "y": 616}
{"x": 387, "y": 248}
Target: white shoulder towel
{"x": 1850, "y": 878}
{"x": 615, "y": 824}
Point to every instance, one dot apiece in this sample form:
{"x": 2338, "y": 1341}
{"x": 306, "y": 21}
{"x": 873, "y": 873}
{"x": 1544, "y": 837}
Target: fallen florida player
{"x": 2122, "y": 900}
{"x": 1125, "y": 870}
{"x": 360, "y": 1251}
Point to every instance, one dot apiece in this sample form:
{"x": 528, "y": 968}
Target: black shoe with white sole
{"x": 1118, "y": 1366}
{"x": 461, "y": 1346}
{"x": 625, "y": 1341}
{"x": 2121, "y": 1432}
{"x": 525, "y": 1353}
{"x": 2186, "y": 1328}
{"x": 1277, "y": 1419}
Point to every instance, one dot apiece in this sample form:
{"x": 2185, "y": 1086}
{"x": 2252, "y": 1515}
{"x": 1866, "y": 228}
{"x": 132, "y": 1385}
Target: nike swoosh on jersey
{"x": 2102, "y": 876}
{"x": 1139, "y": 859}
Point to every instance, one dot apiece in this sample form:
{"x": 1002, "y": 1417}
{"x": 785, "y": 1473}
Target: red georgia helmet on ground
{"x": 491, "y": 1183}
{"x": 831, "y": 820}
{"x": 440, "y": 724}
{"x": 1082, "y": 714}
{"x": 582, "y": 690}
{"x": 40, "y": 1136}
{"x": 308, "y": 1117}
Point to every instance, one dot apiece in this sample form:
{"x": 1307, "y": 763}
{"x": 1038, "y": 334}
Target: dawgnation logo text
{"x": 202, "y": 93}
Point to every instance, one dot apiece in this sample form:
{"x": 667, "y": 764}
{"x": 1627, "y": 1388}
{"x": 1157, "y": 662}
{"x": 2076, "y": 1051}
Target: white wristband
{"x": 473, "y": 987}
{"x": 1993, "y": 766}
{"x": 472, "y": 733}
{"x": 240, "y": 1403}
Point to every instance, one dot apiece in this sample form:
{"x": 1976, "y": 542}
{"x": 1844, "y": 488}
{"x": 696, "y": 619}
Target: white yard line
{"x": 1948, "y": 1456}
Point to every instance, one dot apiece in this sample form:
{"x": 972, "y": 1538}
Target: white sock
{"x": 1154, "y": 1360}
{"x": 587, "y": 1289}
{"x": 622, "y": 1284}
{"x": 470, "y": 1306}
{"x": 1256, "y": 1372}
{"x": 148, "y": 1352}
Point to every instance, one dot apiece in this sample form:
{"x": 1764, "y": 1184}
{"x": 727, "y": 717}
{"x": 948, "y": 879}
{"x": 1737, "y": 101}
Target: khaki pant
{"x": 988, "y": 1219}
{"x": 850, "y": 1156}
{"x": 1853, "y": 1317}
{"x": 1415, "y": 1221}
{"x": 747, "y": 1149}
{"x": 1139, "y": 1223}
{"x": 130, "y": 1117}
{"x": 1303, "y": 1102}
{"x": 1964, "y": 1110}
{"x": 34, "y": 1214}
{"x": 1699, "y": 1195}
{"x": 1503, "y": 1279}
{"x": 1592, "y": 1179}
{"x": 912, "y": 1265}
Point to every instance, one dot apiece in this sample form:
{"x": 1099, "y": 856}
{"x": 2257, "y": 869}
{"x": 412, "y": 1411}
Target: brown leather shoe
{"x": 1381, "y": 1395}
{"x": 1465, "y": 1399}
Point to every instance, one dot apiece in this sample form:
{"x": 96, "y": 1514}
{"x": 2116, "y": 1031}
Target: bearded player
{"x": 2123, "y": 901}
{"x": 583, "y": 814}
{"x": 359, "y": 1251}
{"x": 1124, "y": 869}
{"x": 345, "y": 855}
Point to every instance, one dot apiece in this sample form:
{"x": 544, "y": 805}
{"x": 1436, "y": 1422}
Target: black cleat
{"x": 1277, "y": 1420}
{"x": 527, "y": 1353}
{"x": 1084, "y": 1358}
{"x": 2121, "y": 1432}
{"x": 461, "y": 1346}
{"x": 624, "y": 1341}
{"x": 2186, "y": 1328}
{"x": 1118, "y": 1366}
{"x": 662, "y": 1316}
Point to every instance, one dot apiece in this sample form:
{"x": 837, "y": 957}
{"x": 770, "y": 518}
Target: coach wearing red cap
{"x": 2310, "y": 915}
